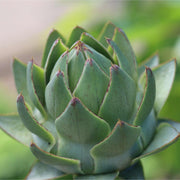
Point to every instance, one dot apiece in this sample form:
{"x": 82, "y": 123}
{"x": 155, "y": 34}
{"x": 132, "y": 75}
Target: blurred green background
{"x": 150, "y": 25}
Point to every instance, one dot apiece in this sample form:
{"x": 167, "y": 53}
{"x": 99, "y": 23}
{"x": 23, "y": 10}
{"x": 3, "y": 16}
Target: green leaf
{"x": 128, "y": 64}
{"x": 119, "y": 100}
{"x": 31, "y": 123}
{"x": 107, "y": 32}
{"x": 75, "y": 35}
{"x": 53, "y": 36}
{"x": 108, "y": 176}
{"x": 42, "y": 143}
{"x": 62, "y": 65}
{"x": 92, "y": 86}
{"x": 174, "y": 124}
{"x": 133, "y": 172}
{"x": 121, "y": 40}
{"x": 57, "y": 95}
{"x": 164, "y": 136}
{"x": 91, "y": 41}
{"x": 43, "y": 171}
{"x": 75, "y": 65}
{"x": 115, "y": 152}
{"x": 65, "y": 165}
{"x": 164, "y": 77}
{"x": 148, "y": 128}
{"x": 13, "y": 126}
{"x": 147, "y": 101}
{"x": 103, "y": 62}
{"x": 151, "y": 62}
{"x": 36, "y": 86}
{"x": 55, "y": 52}
{"x": 79, "y": 131}
{"x": 19, "y": 72}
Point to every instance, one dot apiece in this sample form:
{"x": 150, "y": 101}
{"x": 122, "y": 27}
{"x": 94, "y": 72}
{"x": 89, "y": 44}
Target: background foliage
{"x": 150, "y": 25}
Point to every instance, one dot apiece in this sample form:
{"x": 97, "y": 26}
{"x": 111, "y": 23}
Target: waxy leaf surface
{"x": 164, "y": 77}
{"x": 53, "y": 36}
{"x": 107, "y": 32}
{"x": 92, "y": 86}
{"x": 79, "y": 131}
{"x": 14, "y": 127}
{"x": 57, "y": 95}
{"x": 36, "y": 86}
{"x": 116, "y": 150}
{"x": 119, "y": 100}
{"x": 65, "y": 165}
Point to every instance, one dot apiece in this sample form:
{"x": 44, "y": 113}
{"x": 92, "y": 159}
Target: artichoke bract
{"x": 89, "y": 111}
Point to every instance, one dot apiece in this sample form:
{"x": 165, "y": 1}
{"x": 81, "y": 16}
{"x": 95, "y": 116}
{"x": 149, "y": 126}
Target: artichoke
{"x": 89, "y": 112}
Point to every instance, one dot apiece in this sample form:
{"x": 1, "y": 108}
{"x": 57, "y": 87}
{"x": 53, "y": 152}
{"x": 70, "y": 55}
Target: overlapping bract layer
{"x": 89, "y": 108}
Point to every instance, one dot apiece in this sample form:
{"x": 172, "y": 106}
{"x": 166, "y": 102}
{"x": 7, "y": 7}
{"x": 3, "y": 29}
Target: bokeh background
{"x": 152, "y": 26}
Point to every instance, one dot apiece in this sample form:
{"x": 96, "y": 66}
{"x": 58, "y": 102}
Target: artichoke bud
{"x": 89, "y": 111}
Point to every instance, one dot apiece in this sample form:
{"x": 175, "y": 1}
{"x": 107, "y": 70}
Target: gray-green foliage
{"x": 89, "y": 111}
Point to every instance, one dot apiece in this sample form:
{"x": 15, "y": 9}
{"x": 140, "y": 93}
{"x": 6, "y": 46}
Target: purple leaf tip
{"x": 74, "y": 101}
{"x": 60, "y": 73}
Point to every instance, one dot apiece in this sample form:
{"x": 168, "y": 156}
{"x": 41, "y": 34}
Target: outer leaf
{"x": 42, "y": 171}
{"x": 91, "y": 41}
{"x": 164, "y": 77}
{"x": 110, "y": 176}
{"x": 75, "y": 35}
{"x": 36, "y": 86}
{"x": 151, "y": 62}
{"x": 128, "y": 64}
{"x": 13, "y": 126}
{"x": 103, "y": 62}
{"x": 124, "y": 45}
{"x": 19, "y": 72}
{"x": 133, "y": 172}
{"x": 55, "y": 52}
{"x": 164, "y": 136}
{"x": 31, "y": 123}
{"x": 62, "y": 65}
{"x": 54, "y": 35}
{"x": 41, "y": 143}
{"x": 119, "y": 99}
{"x": 79, "y": 131}
{"x": 174, "y": 124}
{"x": 148, "y": 129}
{"x": 147, "y": 101}
{"x": 115, "y": 151}
{"x": 107, "y": 32}
{"x": 57, "y": 95}
{"x": 63, "y": 164}
{"x": 92, "y": 86}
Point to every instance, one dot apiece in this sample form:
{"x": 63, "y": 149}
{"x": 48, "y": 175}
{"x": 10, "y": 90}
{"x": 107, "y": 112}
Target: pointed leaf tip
{"x": 148, "y": 69}
{"x": 114, "y": 67}
{"x": 120, "y": 123}
{"x": 89, "y": 61}
{"x": 20, "y": 97}
{"x": 60, "y": 73}
{"x": 75, "y": 101}
{"x": 108, "y": 40}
